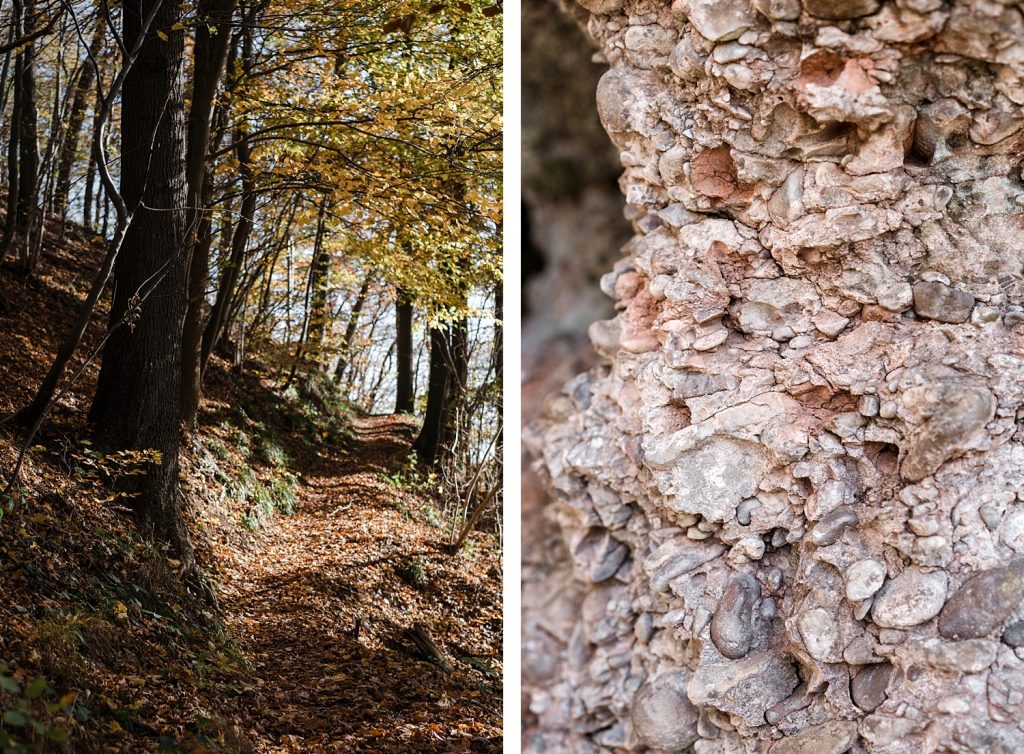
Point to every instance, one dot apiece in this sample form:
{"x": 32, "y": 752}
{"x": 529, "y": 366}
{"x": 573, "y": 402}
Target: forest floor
{"x": 323, "y": 544}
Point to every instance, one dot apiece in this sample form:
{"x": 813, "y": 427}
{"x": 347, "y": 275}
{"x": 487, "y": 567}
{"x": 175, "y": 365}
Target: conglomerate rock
{"x": 794, "y": 490}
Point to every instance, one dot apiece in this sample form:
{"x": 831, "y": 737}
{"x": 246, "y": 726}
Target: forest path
{"x": 312, "y": 681}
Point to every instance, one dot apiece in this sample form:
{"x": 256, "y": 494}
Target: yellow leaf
{"x": 162, "y": 36}
{"x": 68, "y": 699}
{"x": 115, "y": 726}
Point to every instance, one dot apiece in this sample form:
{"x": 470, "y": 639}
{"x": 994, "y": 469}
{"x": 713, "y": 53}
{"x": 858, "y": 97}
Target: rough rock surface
{"x": 573, "y": 205}
{"x": 807, "y": 434}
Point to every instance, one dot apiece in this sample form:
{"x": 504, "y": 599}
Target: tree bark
{"x": 405, "y": 386}
{"x": 791, "y": 491}
{"x": 142, "y": 362}
{"x": 445, "y": 388}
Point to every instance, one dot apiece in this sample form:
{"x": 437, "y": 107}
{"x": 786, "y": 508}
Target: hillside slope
{"x": 314, "y": 533}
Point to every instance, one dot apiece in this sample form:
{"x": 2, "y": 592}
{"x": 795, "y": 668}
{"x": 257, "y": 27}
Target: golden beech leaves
{"x": 391, "y": 112}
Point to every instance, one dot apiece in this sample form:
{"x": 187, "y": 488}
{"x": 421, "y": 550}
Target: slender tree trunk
{"x": 212, "y": 46}
{"x": 13, "y": 150}
{"x": 79, "y": 106}
{"x": 142, "y": 362}
{"x": 318, "y": 314}
{"x": 309, "y": 308}
{"x": 28, "y": 147}
{"x": 345, "y": 349}
{"x": 405, "y": 385}
{"x": 239, "y": 242}
{"x": 90, "y": 173}
{"x": 199, "y": 277}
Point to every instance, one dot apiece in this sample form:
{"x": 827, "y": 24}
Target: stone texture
{"x": 720, "y": 20}
{"x": 1013, "y": 636}
{"x": 811, "y": 382}
{"x": 957, "y": 412}
{"x": 864, "y": 578}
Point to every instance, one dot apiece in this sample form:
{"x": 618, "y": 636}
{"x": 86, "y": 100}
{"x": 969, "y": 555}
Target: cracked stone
{"x": 864, "y": 578}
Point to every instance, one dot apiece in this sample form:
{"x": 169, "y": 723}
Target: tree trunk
{"x": 350, "y": 331}
{"x": 212, "y": 45}
{"x": 79, "y": 105}
{"x": 28, "y": 145}
{"x": 90, "y": 198}
{"x": 792, "y": 491}
{"x": 405, "y": 386}
{"x": 142, "y": 361}
{"x": 239, "y": 242}
{"x": 445, "y": 388}
{"x": 320, "y": 281}
{"x": 13, "y": 150}
{"x": 199, "y": 277}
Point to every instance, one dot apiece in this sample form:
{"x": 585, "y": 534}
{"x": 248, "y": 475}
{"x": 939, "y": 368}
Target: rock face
{"x": 797, "y": 478}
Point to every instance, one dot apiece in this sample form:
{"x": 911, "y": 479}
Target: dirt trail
{"x": 293, "y": 598}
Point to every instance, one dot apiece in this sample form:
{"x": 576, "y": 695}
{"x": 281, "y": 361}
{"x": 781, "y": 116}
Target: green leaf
{"x": 35, "y": 689}
{"x": 8, "y": 684}
{"x": 57, "y": 734}
{"x": 15, "y": 718}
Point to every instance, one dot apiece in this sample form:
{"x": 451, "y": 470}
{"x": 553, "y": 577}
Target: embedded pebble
{"x": 953, "y": 705}
{"x": 868, "y": 405}
{"x": 778, "y": 10}
{"x": 983, "y": 602}
{"x": 819, "y": 632}
{"x": 910, "y": 599}
{"x": 969, "y": 656}
{"x": 747, "y": 687}
{"x": 864, "y": 578}
{"x": 1013, "y": 636}
{"x": 732, "y": 628}
{"x": 720, "y": 20}
{"x": 934, "y": 300}
{"x": 896, "y": 297}
{"x": 959, "y": 412}
{"x": 833, "y": 737}
{"x": 868, "y": 687}
{"x": 827, "y": 530}
{"x": 663, "y": 716}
